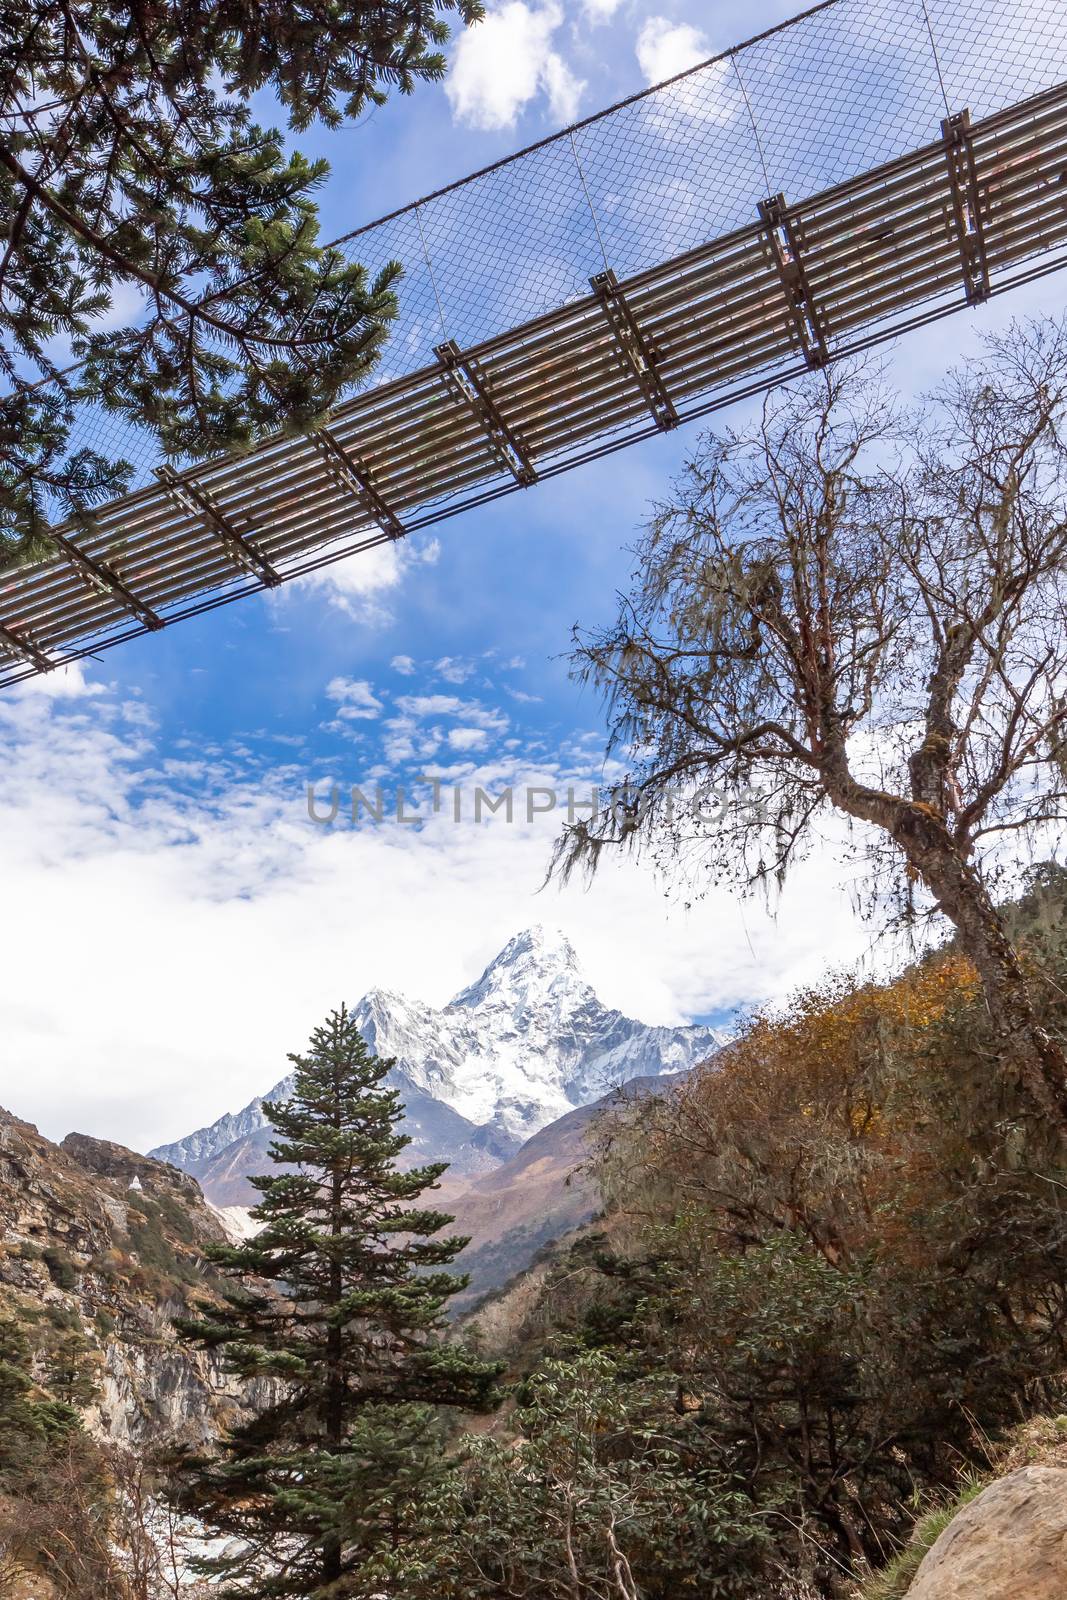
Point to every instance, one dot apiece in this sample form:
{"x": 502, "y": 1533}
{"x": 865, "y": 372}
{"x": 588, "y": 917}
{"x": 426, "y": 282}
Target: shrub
{"x": 595, "y": 1498}
{"x": 61, "y": 1268}
{"x": 842, "y": 1243}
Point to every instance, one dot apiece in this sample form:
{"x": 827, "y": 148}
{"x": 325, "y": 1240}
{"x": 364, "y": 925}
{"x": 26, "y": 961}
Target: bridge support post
{"x": 467, "y": 385}
{"x": 345, "y": 470}
{"x": 785, "y": 251}
{"x": 200, "y": 503}
{"x": 26, "y": 649}
{"x": 98, "y": 575}
{"x": 634, "y": 349}
{"x": 966, "y": 205}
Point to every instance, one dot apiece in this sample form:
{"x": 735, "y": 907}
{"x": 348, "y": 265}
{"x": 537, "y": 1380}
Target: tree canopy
{"x": 848, "y": 608}
{"x": 132, "y": 170}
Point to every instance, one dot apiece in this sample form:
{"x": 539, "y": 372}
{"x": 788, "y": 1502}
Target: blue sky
{"x": 175, "y": 923}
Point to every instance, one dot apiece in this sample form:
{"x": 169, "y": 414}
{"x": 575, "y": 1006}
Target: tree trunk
{"x": 983, "y": 938}
{"x": 918, "y": 830}
{"x": 335, "y": 1393}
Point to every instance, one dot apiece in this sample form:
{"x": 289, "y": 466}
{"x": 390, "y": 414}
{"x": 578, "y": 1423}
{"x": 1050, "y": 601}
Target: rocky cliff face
{"x": 99, "y": 1249}
{"x": 525, "y": 1045}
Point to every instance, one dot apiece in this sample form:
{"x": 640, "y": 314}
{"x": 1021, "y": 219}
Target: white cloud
{"x": 600, "y": 10}
{"x": 430, "y": 705}
{"x": 204, "y": 937}
{"x": 126, "y": 304}
{"x": 490, "y": 718}
{"x": 358, "y": 586}
{"x": 404, "y": 665}
{"x": 564, "y": 90}
{"x": 65, "y": 683}
{"x": 355, "y": 698}
{"x": 453, "y": 670}
{"x": 415, "y": 734}
{"x": 407, "y": 740}
{"x": 666, "y": 48}
{"x": 504, "y": 62}
{"x": 711, "y": 96}
{"x": 468, "y": 738}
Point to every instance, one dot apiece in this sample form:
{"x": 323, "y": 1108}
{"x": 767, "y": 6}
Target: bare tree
{"x": 95, "y": 1527}
{"x": 854, "y": 610}
{"x": 152, "y": 1544}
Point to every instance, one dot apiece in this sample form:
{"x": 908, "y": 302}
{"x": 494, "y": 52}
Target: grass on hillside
{"x": 894, "y": 1581}
{"x": 1041, "y": 1441}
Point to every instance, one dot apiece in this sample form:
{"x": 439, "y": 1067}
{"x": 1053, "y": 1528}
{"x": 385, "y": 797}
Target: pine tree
{"x": 32, "y": 1422}
{"x": 347, "y": 1318}
{"x": 132, "y": 168}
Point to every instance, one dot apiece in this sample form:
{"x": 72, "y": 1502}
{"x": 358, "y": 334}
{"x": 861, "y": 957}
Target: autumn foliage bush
{"x": 843, "y": 1242}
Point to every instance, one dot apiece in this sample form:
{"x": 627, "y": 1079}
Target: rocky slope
{"x": 525, "y": 1045}
{"x": 510, "y": 1214}
{"x": 538, "y": 1197}
{"x": 99, "y": 1249}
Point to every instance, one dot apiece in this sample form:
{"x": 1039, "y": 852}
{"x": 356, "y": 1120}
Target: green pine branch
{"x": 129, "y": 160}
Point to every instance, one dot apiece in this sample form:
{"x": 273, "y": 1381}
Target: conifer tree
{"x": 346, "y": 1318}
{"x": 31, "y": 1422}
{"x": 151, "y": 228}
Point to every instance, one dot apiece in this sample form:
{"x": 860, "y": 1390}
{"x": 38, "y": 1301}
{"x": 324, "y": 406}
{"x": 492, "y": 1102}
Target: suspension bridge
{"x": 844, "y": 178}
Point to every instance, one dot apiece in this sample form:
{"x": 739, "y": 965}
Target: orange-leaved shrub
{"x": 843, "y": 1241}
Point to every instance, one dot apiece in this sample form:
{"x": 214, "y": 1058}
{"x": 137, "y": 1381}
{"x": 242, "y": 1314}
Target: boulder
{"x": 1009, "y": 1543}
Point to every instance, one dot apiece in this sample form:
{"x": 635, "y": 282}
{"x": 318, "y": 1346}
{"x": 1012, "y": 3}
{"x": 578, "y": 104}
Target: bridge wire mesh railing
{"x": 830, "y": 94}
{"x": 836, "y": 92}
{"x": 821, "y": 98}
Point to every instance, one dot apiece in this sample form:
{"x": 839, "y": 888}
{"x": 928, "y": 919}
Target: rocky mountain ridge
{"x": 539, "y": 1196}
{"x": 99, "y": 1249}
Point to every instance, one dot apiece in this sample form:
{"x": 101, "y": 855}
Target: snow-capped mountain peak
{"x": 526, "y": 1043}
{"x": 536, "y": 966}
